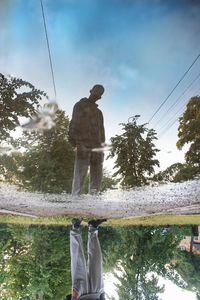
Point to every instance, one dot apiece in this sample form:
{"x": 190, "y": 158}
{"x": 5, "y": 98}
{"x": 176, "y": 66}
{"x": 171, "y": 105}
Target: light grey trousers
{"x": 85, "y": 158}
{"x": 86, "y": 277}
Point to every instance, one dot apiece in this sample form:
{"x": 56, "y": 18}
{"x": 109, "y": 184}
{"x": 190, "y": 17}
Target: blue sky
{"x": 137, "y": 49}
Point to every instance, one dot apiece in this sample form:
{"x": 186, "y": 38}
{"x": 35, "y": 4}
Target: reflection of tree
{"x": 135, "y": 153}
{"x": 188, "y": 132}
{"x": 35, "y": 263}
{"x": 47, "y": 163}
{"x": 18, "y": 98}
{"x": 139, "y": 254}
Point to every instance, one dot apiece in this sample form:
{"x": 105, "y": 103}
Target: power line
{"x": 48, "y": 48}
{"x": 174, "y": 88}
{"x": 177, "y": 112}
{"x": 167, "y": 124}
{"x": 188, "y": 87}
{"x": 164, "y": 131}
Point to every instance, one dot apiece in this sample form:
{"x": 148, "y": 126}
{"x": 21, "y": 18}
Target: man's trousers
{"x": 85, "y": 158}
{"x": 86, "y": 278}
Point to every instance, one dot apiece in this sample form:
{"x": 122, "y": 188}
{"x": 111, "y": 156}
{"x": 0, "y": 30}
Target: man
{"x": 86, "y": 132}
{"x": 87, "y": 279}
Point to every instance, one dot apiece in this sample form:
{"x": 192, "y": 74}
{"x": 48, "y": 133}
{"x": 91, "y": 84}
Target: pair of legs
{"x": 84, "y": 159}
{"x": 86, "y": 277}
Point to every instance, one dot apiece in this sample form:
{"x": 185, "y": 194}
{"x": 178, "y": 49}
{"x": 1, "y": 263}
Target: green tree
{"x": 187, "y": 172}
{"x": 176, "y": 173}
{"x": 34, "y": 262}
{"x": 134, "y": 150}
{"x": 169, "y": 173}
{"x": 10, "y": 166}
{"x": 47, "y": 162}
{"x": 189, "y": 133}
{"x": 138, "y": 252}
{"x": 18, "y": 98}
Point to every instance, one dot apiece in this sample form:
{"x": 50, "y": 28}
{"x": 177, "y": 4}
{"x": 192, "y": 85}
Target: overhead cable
{"x": 157, "y": 110}
{"x": 168, "y": 125}
{"x": 48, "y": 48}
{"x": 176, "y": 101}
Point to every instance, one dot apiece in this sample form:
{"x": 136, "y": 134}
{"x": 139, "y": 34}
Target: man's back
{"x": 86, "y": 126}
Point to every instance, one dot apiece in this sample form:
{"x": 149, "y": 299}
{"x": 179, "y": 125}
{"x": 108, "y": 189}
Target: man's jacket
{"x": 86, "y": 126}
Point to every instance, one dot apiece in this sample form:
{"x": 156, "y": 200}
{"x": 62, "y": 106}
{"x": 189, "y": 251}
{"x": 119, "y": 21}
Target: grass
{"x": 152, "y": 220}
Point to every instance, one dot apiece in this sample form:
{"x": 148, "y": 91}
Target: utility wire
{"x": 188, "y": 87}
{"x": 179, "y": 110}
{"x": 168, "y": 125}
{"x": 48, "y": 48}
{"x": 174, "y": 88}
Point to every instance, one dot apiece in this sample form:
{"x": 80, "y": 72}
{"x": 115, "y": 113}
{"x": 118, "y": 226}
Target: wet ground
{"x": 178, "y": 198}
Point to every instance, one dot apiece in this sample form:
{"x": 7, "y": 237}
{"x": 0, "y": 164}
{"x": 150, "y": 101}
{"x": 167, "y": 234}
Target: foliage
{"x": 134, "y": 150}
{"x": 176, "y": 173}
{"x": 187, "y": 172}
{"x": 188, "y": 267}
{"x": 189, "y": 133}
{"x": 10, "y": 165}
{"x": 140, "y": 255}
{"x": 18, "y": 98}
{"x": 47, "y": 163}
{"x": 35, "y": 262}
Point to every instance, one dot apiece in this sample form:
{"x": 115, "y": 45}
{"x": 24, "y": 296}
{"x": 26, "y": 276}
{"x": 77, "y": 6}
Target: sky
{"x": 138, "y": 49}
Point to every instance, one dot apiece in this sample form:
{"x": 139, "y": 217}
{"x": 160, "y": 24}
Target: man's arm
{"x": 74, "y": 126}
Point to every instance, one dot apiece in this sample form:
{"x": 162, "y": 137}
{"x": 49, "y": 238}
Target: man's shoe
{"x": 96, "y": 223}
{"x": 76, "y": 223}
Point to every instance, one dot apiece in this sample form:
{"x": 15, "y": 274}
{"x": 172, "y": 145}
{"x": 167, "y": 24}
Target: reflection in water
{"x": 86, "y": 132}
{"x": 141, "y": 261}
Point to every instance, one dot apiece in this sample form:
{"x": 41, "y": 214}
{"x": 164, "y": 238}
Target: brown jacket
{"x": 86, "y": 127}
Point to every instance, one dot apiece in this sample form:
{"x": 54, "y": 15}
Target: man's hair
{"x": 98, "y": 87}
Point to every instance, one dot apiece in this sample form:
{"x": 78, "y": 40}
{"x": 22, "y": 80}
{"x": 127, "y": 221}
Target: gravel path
{"x": 179, "y": 198}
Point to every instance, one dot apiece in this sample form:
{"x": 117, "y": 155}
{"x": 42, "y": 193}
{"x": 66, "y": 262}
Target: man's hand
{"x": 81, "y": 148}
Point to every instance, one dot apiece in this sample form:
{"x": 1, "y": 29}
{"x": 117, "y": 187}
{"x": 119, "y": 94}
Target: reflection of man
{"x": 86, "y": 131}
{"x": 87, "y": 280}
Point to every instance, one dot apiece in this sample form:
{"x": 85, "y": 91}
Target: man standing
{"x": 86, "y": 132}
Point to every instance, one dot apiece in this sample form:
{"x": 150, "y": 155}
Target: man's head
{"x": 96, "y": 92}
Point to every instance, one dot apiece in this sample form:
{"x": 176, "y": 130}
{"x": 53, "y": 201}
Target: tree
{"x": 169, "y": 173}
{"x": 140, "y": 255}
{"x": 189, "y": 133}
{"x": 18, "y": 98}
{"x": 176, "y": 173}
{"x": 47, "y": 163}
{"x": 134, "y": 150}
{"x": 187, "y": 172}
{"x": 34, "y": 262}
